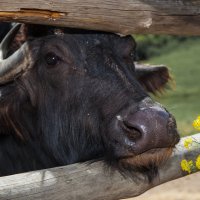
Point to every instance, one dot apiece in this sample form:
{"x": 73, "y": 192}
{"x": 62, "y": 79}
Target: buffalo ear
{"x": 153, "y": 78}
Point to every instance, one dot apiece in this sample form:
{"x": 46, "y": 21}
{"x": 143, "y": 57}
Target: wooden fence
{"x": 84, "y": 181}
{"x": 119, "y": 16}
{"x": 94, "y": 181}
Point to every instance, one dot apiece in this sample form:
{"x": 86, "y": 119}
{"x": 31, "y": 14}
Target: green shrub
{"x": 149, "y": 46}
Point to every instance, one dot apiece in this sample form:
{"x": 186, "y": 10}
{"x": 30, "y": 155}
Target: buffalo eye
{"x": 52, "y": 59}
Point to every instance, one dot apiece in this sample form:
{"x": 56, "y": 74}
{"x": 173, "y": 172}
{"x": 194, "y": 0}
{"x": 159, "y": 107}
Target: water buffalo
{"x": 70, "y": 95}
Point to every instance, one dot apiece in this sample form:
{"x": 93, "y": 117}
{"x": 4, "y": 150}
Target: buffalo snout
{"x": 149, "y": 127}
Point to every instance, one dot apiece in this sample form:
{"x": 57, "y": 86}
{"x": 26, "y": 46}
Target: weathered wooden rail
{"x": 92, "y": 181}
{"x": 120, "y": 16}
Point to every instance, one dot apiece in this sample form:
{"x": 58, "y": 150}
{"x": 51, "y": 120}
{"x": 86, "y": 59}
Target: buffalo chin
{"x": 146, "y": 163}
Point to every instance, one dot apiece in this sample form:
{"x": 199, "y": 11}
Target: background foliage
{"x": 182, "y": 56}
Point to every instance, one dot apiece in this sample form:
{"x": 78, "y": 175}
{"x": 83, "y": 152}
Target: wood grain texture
{"x": 180, "y": 17}
{"x": 91, "y": 181}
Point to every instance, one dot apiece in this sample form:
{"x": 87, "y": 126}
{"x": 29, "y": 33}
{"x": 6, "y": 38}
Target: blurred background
{"x": 182, "y": 56}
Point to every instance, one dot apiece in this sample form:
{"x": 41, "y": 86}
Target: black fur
{"x": 60, "y": 114}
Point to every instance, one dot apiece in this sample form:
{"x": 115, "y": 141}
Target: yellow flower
{"x": 187, "y": 165}
{"x": 188, "y": 142}
{"x": 198, "y": 162}
{"x": 196, "y": 123}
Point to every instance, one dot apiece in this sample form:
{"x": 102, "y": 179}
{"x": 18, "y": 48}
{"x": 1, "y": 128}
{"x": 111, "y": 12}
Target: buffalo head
{"x": 72, "y": 95}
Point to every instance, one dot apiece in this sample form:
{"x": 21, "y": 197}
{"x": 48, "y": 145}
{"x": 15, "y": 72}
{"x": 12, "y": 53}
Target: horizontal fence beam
{"x": 93, "y": 181}
{"x": 179, "y": 17}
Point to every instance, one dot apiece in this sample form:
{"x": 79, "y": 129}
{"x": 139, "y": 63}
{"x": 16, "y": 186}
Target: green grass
{"x": 184, "y": 100}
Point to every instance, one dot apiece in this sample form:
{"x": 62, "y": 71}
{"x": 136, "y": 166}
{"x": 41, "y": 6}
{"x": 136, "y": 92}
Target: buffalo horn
{"x": 12, "y": 66}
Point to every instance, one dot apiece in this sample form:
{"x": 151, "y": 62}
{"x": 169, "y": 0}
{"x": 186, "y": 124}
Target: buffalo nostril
{"x": 131, "y": 131}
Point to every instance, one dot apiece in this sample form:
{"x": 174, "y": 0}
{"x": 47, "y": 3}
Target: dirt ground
{"x": 187, "y": 188}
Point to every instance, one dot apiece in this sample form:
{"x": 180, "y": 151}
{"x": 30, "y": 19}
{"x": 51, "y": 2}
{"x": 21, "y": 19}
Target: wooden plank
{"x": 92, "y": 181}
{"x": 180, "y": 17}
